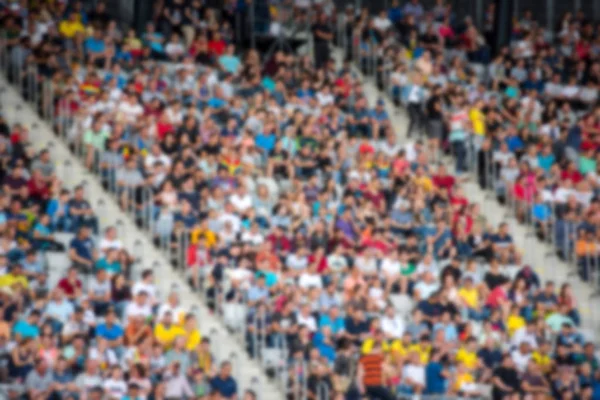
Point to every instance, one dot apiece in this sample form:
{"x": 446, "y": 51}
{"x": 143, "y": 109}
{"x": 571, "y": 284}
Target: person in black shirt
{"x": 99, "y": 17}
{"x": 452, "y": 269}
{"x": 431, "y": 41}
{"x": 173, "y": 17}
{"x": 505, "y": 380}
{"x": 322, "y": 36}
{"x": 435, "y": 121}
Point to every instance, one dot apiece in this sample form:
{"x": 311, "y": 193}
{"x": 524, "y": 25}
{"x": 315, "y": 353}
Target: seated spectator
{"x": 82, "y": 251}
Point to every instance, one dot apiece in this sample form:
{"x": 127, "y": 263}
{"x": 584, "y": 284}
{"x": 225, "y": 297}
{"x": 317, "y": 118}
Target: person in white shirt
{"x": 428, "y": 264}
{"x": 115, "y": 386}
{"x": 130, "y": 108}
{"x": 174, "y": 48}
{"x": 525, "y": 334}
{"x": 305, "y": 318}
{"x": 172, "y": 306}
{"x": 297, "y": 262}
{"x": 521, "y": 356}
{"x": 110, "y": 240}
{"x": 427, "y": 286}
{"x": 390, "y": 265}
{"x": 228, "y": 217}
{"x": 309, "y": 278}
{"x": 337, "y": 262}
{"x": 413, "y": 374}
{"x": 564, "y": 191}
{"x": 253, "y": 236}
{"x": 381, "y": 22}
{"x": 139, "y": 308}
{"x": 156, "y": 155}
{"x": 392, "y": 325}
{"x": 241, "y": 199}
{"x": 324, "y": 97}
{"x": 146, "y": 284}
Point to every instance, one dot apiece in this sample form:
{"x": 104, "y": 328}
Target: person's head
{"x": 147, "y": 276}
{"x": 225, "y": 370}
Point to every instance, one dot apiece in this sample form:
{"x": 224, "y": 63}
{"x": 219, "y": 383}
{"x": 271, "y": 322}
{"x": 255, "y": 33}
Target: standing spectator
{"x": 370, "y": 374}
{"x": 322, "y": 37}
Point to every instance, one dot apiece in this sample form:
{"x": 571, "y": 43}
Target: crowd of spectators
{"x": 286, "y": 192}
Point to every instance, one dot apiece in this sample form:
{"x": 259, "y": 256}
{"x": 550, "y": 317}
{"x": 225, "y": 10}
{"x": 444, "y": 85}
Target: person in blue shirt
{"x": 115, "y": 74}
{"x": 95, "y": 47}
{"x": 305, "y": 93}
{"x": 186, "y": 215}
{"x": 223, "y": 384}
{"x": 332, "y": 320}
{"x": 110, "y": 263}
{"x": 546, "y": 158}
{"x": 155, "y": 40}
{"x": 111, "y": 330}
{"x": 266, "y": 142}
{"x": 514, "y": 142}
{"x": 436, "y": 374}
{"x": 82, "y": 251}
{"x": 395, "y": 12}
{"x": 42, "y": 235}
{"x": 229, "y": 62}
{"x": 27, "y": 328}
{"x": 323, "y": 341}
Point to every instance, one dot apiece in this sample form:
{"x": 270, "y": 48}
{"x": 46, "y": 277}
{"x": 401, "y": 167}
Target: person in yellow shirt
{"x": 423, "y": 180}
{"x": 166, "y": 331}
{"x": 423, "y": 348}
{"x": 71, "y": 26}
{"x": 202, "y": 231}
{"x": 477, "y": 118}
{"x": 192, "y": 333}
{"x": 469, "y": 294}
{"x": 464, "y": 382}
{"x": 399, "y": 347}
{"x": 515, "y": 321}
{"x": 467, "y": 355}
{"x": 202, "y": 356}
{"x": 15, "y": 277}
{"x": 542, "y": 356}
{"x": 369, "y": 342}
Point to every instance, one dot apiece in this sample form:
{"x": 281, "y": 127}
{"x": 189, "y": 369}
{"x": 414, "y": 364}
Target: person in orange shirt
{"x": 267, "y": 259}
{"x": 353, "y": 282}
{"x": 136, "y": 331}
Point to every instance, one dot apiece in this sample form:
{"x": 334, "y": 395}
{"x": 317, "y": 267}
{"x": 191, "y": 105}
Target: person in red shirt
{"x": 571, "y": 173}
{"x": 216, "y": 46}
{"x": 319, "y": 260}
{"x": 279, "y": 241}
{"x": 442, "y": 180}
{"x": 71, "y": 284}
{"x": 498, "y": 297}
{"x": 198, "y": 257}
{"x": 163, "y": 126}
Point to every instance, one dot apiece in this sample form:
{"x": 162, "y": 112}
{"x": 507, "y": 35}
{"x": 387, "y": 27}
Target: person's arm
{"x": 78, "y": 259}
{"x": 360, "y": 374}
{"x": 500, "y": 384}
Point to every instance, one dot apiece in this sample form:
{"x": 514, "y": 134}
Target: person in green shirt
{"x": 407, "y": 273}
{"x": 94, "y": 140}
{"x": 587, "y": 162}
{"x": 110, "y": 263}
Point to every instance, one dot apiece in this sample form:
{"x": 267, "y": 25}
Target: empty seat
{"x": 234, "y": 316}
{"x": 57, "y": 261}
{"x": 64, "y": 238}
{"x": 402, "y": 303}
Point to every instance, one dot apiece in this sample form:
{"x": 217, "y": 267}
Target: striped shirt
{"x": 372, "y": 365}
